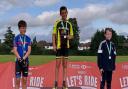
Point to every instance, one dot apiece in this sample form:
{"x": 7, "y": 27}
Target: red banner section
{"x": 80, "y": 74}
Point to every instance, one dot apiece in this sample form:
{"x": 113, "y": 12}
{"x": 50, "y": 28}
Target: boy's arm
{"x": 99, "y": 57}
{"x": 54, "y": 41}
{"x": 16, "y": 53}
{"x": 70, "y": 36}
{"x": 54, "y": 35}
{"x": 115, "y": 53}
{"x": 15, "y": 49}
{"x": 28, "y": 52}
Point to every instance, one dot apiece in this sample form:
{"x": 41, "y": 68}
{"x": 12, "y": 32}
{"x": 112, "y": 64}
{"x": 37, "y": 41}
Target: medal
{"x": 64, "y": 28}
{"x": 23, "y": 44}
{"x": 109, "y": 49}
{"x": 109, "y": 57}
{"x": 65, "y": 36}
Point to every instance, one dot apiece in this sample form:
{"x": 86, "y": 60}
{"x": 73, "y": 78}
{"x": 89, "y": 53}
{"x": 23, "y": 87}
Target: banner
{"x": 82, "y": 75}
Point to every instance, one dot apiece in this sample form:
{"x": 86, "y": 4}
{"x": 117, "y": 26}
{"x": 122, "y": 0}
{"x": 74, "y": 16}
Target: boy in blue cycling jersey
{"x": 22, "y": 49}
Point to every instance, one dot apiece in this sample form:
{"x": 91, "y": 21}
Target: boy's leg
{"x": 17, "y": 75}
{"x": 57, "y": 67}
{"x": 17, "y": 83}
{"x": 25, "y": 75}
{"x": 64, "y": 64}
{"x": 58, "y": 62}
{"x": 102, "y": 84}
{"x": 109, "y": 79}
{"x": 24, "y": 83}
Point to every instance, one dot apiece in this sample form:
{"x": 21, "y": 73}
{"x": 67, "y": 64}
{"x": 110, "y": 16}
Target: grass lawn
{"x": 42, "y": 59}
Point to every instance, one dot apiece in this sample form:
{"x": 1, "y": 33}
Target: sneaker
{"x": 64, "y": 85}
{"x": 56, "y": 85}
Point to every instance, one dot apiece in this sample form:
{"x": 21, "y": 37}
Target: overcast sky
{"x": 41, "y": 15}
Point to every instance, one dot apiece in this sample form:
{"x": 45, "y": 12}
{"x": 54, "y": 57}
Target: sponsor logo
{"x": 78, "y": 66}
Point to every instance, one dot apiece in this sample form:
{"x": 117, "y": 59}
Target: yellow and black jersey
{"x": 62, "y": 29}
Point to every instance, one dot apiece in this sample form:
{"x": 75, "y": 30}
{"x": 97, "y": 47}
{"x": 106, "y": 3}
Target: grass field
{"x": 41, "y": 59}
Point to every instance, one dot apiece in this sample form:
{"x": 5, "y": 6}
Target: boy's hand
{"x": 19, "y": 59}
{"x": 69, "y": 37}
{"x": 24, "y": 63}
{"x": 24, "y": 58}
{"x": 101, "y": 70}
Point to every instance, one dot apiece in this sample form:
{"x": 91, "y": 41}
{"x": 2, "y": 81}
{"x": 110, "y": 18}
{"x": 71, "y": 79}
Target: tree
{"x": 0, "y": 42}
{"x": 8, "y": 41}
{"x": 75, "y": 41}
{"x": 34, "y": 42}
{"x": 35, "y": 48}
{"x": 121, "y": 41}
{"x": 95, "y": 41}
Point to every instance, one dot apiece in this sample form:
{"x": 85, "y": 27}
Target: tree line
{"x": 38, "y": 47}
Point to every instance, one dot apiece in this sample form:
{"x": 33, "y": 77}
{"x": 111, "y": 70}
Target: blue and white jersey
{"x": 22, "y": 42}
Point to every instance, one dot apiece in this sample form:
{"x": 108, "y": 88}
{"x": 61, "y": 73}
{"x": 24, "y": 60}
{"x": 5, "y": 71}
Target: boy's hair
{"x": 22, "y": 23}
{"x": 63, "y": 8}
{"x": 108, "y": 29}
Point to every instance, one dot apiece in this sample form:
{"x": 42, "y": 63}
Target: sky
{"x": 41, "y": 15}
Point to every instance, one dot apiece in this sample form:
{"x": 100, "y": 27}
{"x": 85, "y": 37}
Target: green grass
{"x": 41, "y": 59}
